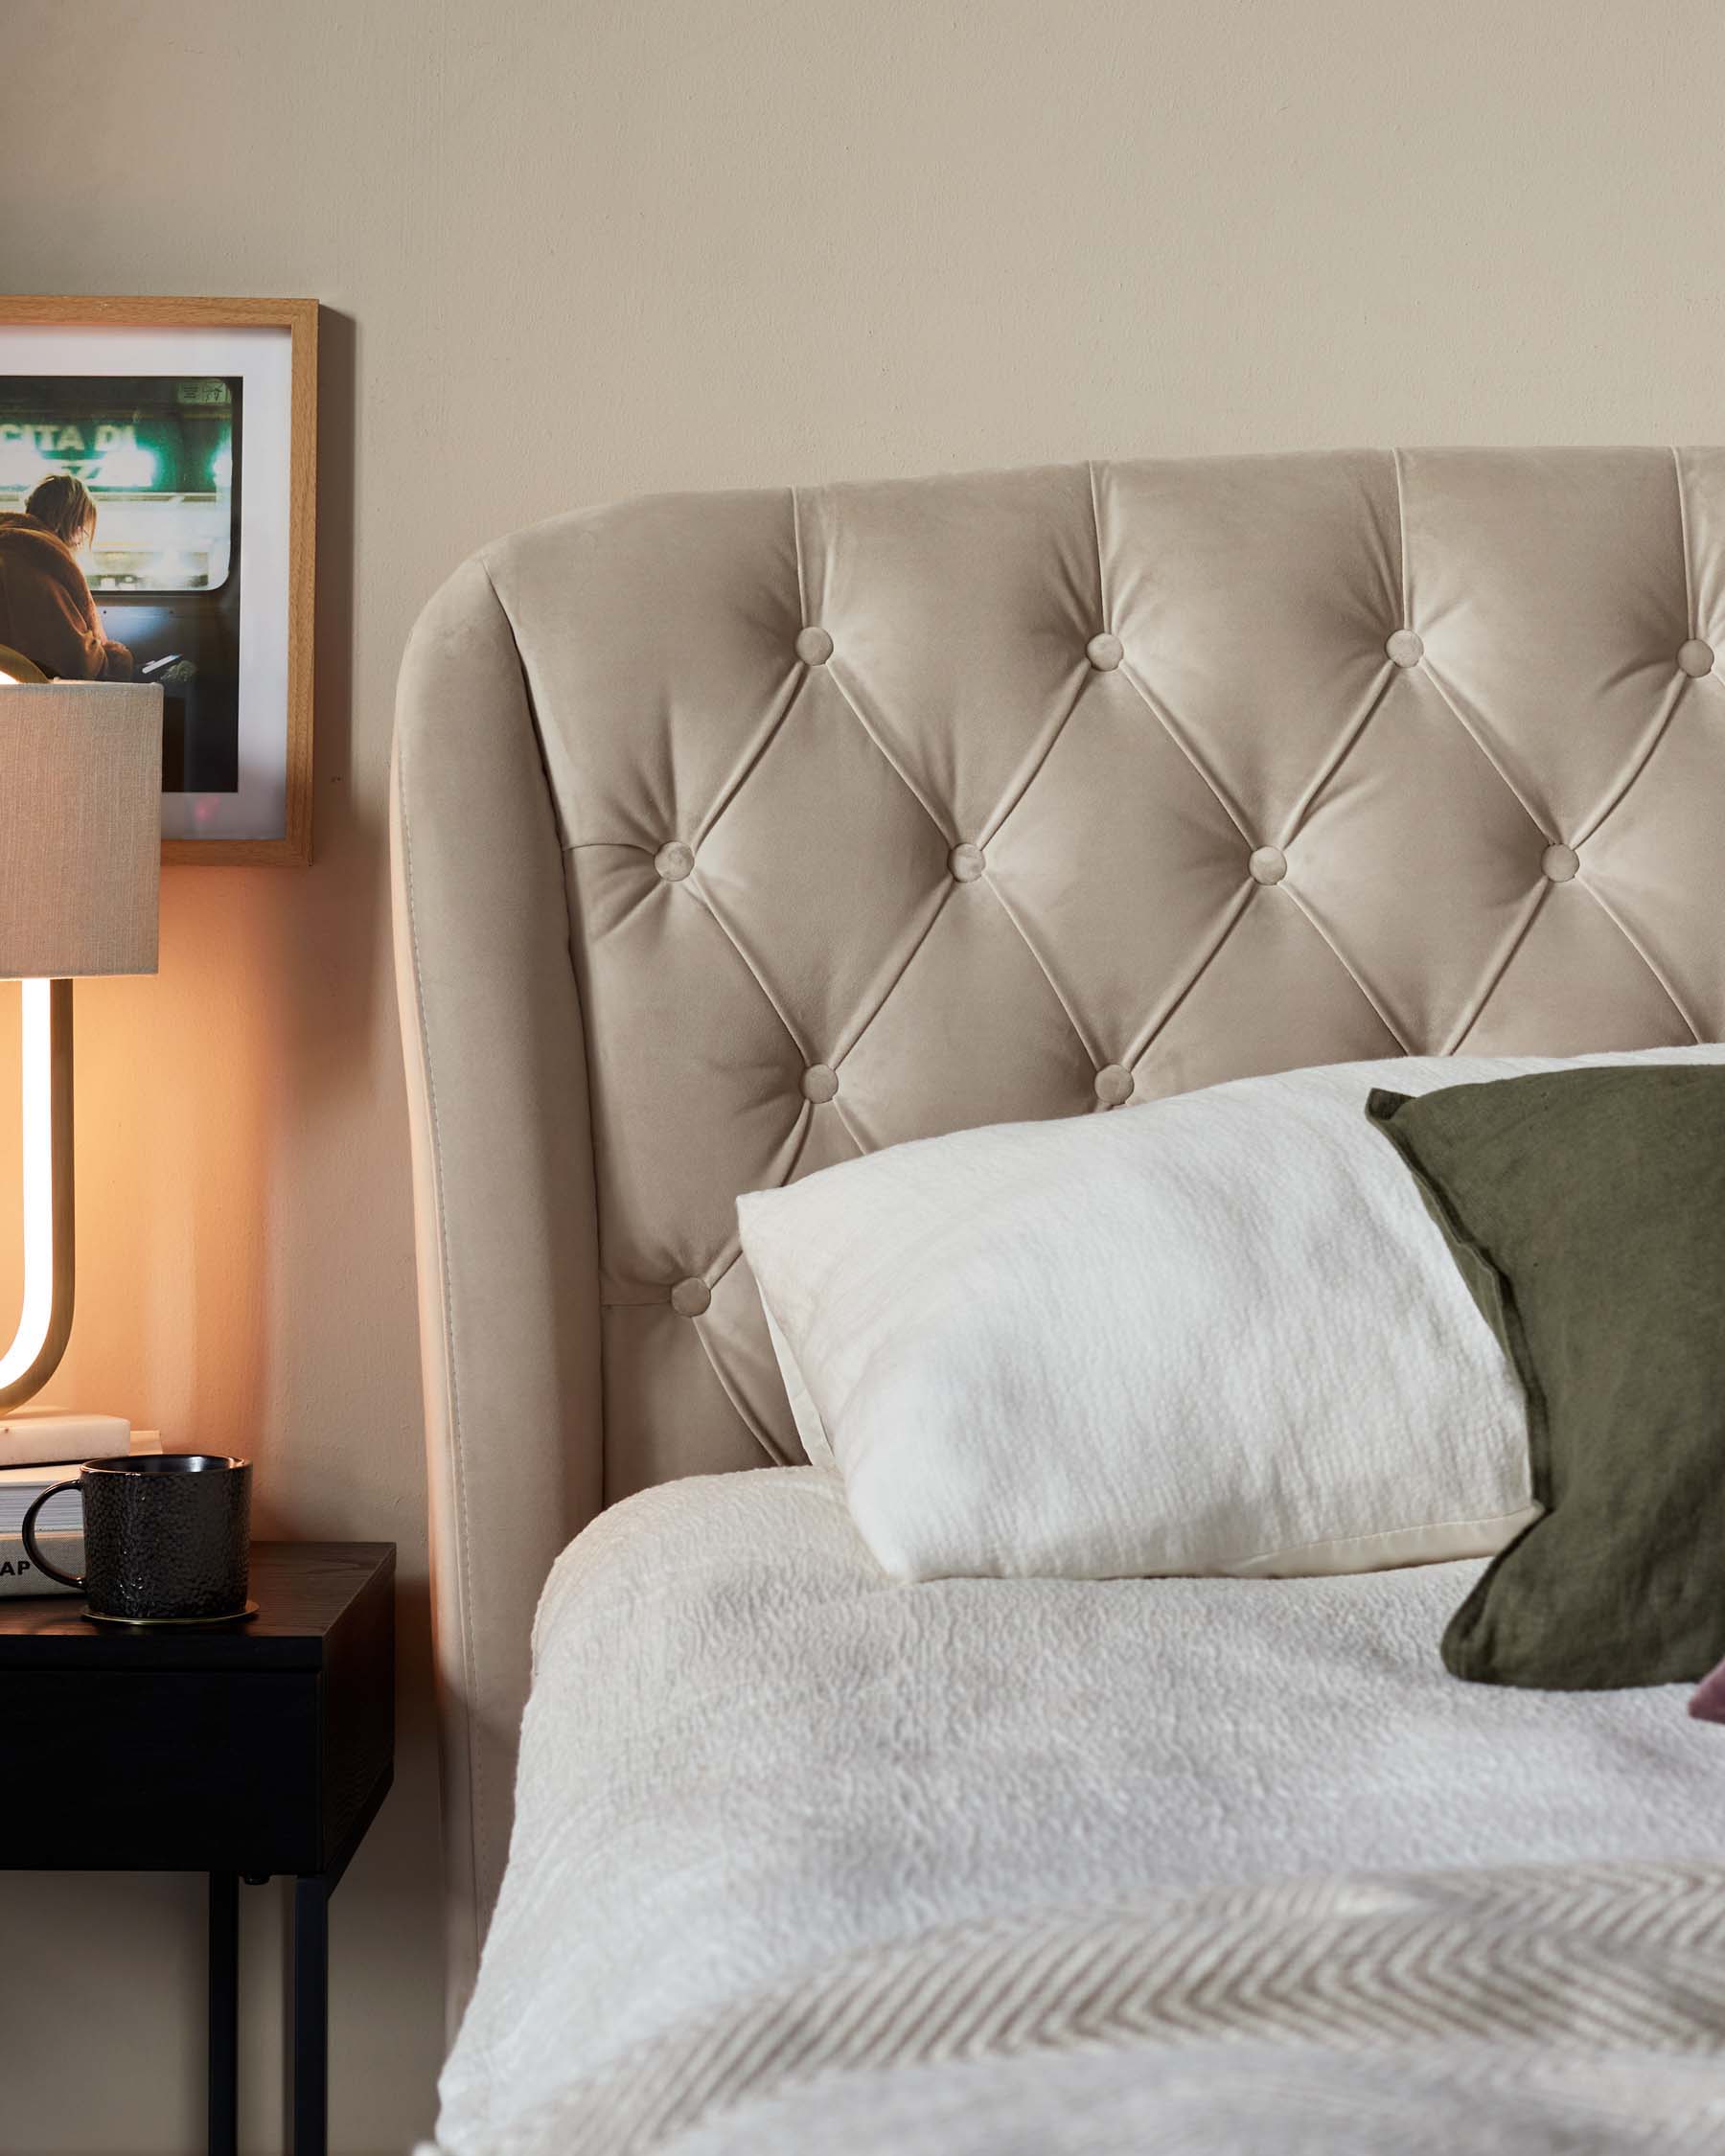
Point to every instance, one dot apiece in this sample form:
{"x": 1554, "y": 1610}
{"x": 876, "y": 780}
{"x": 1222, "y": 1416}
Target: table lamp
{"x": 81, "y": 781}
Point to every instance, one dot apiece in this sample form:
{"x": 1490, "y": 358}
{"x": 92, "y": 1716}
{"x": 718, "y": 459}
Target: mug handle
{"x": 34, "y": 1554}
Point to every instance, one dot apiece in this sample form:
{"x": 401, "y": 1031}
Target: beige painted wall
{"x": 579, "y": 250}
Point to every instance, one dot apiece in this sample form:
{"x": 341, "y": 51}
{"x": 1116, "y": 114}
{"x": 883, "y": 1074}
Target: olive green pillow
{"x": 1586, "y": 1211}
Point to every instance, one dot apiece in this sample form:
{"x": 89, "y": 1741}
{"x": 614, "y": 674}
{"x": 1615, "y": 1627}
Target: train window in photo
{"x": 130, "y": 482}
{"x": 160, "y": 456}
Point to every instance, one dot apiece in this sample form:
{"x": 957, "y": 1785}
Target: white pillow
{"x": 1215, "y": 1333}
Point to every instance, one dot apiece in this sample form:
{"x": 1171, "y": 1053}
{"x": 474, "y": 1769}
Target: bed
{"x": 736, "y": 836}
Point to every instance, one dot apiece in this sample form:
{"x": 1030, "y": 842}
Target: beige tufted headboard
{"x": 735, "y": 834}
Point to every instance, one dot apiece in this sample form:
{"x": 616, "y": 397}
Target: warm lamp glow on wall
{"x": 81, "y": 776}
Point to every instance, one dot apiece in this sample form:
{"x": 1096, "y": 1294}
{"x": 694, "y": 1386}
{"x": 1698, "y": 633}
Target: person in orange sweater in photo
{"x": 47, "y": 610}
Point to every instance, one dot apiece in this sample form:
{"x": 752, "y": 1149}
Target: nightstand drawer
{"x": 243, "y": 1750}
{"x": 173, "y": 1769}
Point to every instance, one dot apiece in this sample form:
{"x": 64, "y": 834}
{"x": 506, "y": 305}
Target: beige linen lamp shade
{"x": 80, "y": 824}
{"x": 81, "y": 848}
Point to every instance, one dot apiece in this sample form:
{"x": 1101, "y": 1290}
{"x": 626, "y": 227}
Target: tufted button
{"x": 1104, "y": 653}
{"x": 813, "y": 646}
{"x": 1696, "y": 658}
{"x": 1114, "y": 1085}
{"x": 690, "y": 1298}
{"x": 673, "y": 861}
{"x": 1559, "y": 863}
{"x": 1406, "y": 648}
{"x": 819, "y": 1083}
{"x": 1268, "y": 864}
{"x": 965, "y": 862}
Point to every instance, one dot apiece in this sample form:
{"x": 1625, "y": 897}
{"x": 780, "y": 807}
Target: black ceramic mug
{"x": 167, "y": 1537}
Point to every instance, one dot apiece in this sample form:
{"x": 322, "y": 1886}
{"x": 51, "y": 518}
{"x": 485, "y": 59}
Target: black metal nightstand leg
{"x": 310, "y": 2016}
{"x": 224, "y": 2014}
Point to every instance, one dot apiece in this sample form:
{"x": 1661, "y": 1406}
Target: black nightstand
{"x": 254, "y": 1749}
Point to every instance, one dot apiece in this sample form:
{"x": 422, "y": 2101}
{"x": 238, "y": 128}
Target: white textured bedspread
{"x": 805, "y": 1860}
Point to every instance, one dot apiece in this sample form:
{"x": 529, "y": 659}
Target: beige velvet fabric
{"x": 737, "y": 833}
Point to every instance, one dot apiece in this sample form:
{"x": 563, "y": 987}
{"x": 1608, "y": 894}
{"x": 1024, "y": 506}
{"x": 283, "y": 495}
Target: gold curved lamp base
{"x": 45, "y": 1321}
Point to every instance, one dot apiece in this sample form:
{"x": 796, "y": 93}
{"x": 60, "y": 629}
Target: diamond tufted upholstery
{"x": 738, "y": 833}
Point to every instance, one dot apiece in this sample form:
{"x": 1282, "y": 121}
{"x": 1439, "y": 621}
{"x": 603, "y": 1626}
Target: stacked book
{"x": 59, "y": 1523}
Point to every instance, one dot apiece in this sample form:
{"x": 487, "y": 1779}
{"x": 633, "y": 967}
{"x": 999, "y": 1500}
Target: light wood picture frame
{"x": 191, "y": 428}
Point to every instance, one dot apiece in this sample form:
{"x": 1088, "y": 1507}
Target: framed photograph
{"x": 158, "y": 472}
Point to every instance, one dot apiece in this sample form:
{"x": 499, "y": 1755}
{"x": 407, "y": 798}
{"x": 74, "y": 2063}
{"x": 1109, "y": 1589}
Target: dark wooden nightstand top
{"x": 305, "y": 1590}
{"x": 256, "y": 1747}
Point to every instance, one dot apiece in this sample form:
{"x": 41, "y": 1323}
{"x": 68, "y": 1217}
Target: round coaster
{"x": 160, "y": 1623}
